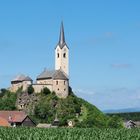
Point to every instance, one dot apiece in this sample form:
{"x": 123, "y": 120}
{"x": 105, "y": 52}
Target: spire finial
{"x": 62, "y": 36}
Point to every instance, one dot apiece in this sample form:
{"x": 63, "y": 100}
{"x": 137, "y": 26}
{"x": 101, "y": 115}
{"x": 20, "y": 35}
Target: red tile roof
{"x": 4, "y": 122}
{"x": 13, "y": 116}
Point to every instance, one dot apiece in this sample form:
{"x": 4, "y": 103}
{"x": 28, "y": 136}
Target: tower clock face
{"x": 57, "y": 50}
{"x": 65, "y": 50}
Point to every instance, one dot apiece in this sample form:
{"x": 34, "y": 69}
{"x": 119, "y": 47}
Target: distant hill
{"x": 134, "y": 116}
{"x": 122, "y": 110}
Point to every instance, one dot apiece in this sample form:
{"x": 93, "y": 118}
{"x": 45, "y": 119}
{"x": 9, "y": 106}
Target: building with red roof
{"x": 15, "y": 118}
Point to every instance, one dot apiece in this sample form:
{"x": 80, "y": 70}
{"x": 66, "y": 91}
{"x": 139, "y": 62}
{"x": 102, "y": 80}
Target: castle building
{"x": 56, "y": 80}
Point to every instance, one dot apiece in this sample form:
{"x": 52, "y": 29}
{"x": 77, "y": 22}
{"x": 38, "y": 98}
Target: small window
{"x": 64, "y": 55}
{"x": 56, "y": 82}
{"x": 58, "y": 89}
{"x": 64, "y": 89}
{"x": 64, "y": 82}
{"x": 57, "y": 55}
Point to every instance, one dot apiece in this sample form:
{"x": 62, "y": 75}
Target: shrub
{"x": 3, "y": 91}
{"x": 30, "y": 89}
{"x": 46, "y": 91}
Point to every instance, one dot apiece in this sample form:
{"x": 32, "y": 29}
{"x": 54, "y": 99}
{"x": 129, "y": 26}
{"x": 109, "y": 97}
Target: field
{"x": 68, "y": 134}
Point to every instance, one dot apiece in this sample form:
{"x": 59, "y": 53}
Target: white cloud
{"x": 121, "y": 66}
{"x": 108, "y": 34}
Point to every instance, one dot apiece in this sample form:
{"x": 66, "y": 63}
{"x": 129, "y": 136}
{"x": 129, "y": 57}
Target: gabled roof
{"x": 46, "y": 74}
{"x": 21, "y": 78}
{"x": 27, "y": 79}
{"x": 59, "y": 75}
{"x": 13, "y": 116}
{"x": 54, "y": 74}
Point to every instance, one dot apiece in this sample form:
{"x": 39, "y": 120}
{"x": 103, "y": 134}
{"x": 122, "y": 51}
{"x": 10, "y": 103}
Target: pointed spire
{"x": 62, "y": 36}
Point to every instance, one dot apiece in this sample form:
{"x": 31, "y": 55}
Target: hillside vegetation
{"x": 48, "y": 106}
{"x": 135, "y": 116}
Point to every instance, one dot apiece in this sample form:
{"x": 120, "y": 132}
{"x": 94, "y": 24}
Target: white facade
{"x": 62, "y": 59}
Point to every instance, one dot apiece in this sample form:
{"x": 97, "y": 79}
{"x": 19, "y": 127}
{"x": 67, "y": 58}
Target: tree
{"x": 2, "y": 92}
{"x": 46, "y": 91}
{"x": 8, "y": 101}
{"x": 30, "y": 89}
{"x": 115, "y": 122}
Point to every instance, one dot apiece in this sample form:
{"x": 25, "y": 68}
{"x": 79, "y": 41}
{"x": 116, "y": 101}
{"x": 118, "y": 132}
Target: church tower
{"x": 62, "y": 53}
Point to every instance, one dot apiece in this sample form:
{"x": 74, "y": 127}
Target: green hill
{"x": 45, "y": 106}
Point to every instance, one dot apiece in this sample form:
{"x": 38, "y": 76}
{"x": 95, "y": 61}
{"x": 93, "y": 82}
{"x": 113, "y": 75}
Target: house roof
{"x": 53, "y": 74}
{"x": 46, "y": 74}
{"x": 21, "y": 78}
{"x": 44, "y": 125}
{"x": 4, "y": 122}
{"x": 13, "y": 116}
{"x": 27, "y": 78}
{"x": 60, "y": 75}
{"x": 131, "y": 122}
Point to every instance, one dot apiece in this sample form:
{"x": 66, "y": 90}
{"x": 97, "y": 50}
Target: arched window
{"x": 57, "y": 55}
{"x": 64, "y": 82}
{"x": 64, "y": 55}
{"x": 56, "y": 82}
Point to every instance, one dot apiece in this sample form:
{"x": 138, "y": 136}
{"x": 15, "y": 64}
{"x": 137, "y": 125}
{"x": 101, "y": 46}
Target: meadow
{"x": 68, "y": 134}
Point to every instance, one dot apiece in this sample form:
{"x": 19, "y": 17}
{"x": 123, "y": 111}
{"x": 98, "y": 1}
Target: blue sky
{"x": 103, "y": 37}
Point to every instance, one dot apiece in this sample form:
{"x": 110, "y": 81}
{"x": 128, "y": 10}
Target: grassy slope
{"x": 82, "y": 113}
{"x": 72, "y": 108}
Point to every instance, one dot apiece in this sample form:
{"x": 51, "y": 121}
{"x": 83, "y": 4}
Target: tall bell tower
{"x": 62, "y": 53}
